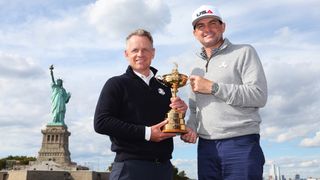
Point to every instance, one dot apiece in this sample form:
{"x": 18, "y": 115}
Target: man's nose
{"x": 140, "y": 53}
{"x": 206, "y": 28}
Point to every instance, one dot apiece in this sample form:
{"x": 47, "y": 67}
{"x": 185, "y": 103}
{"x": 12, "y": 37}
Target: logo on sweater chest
{"x": 223, "y": 65}
{"x": 161, "y": 91}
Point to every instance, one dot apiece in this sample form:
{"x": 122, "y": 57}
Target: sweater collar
{"x": 146, "y": 79}
{"x": 130, "y": 72}
{"x": 203, "y": 55}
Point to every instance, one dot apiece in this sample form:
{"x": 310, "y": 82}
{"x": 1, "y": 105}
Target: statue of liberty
{"x": 59, "y": 99}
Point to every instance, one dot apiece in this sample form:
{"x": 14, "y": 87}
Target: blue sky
{"x": 85, "y": 39}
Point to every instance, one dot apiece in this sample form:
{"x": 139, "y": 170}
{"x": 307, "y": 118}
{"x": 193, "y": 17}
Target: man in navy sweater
{"x": 131, "y": 110}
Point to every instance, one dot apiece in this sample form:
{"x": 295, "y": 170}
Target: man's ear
{"x": 125, "y": 53}
{"x": 153, "y": 52}
{"x": 224, "y": 27}
{"x": 194, "y": 32}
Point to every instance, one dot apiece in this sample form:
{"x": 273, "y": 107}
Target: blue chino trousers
{"x": 238, "y": 158}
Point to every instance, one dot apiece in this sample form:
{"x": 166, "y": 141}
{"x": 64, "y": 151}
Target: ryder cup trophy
{"x": 176, "y": 122}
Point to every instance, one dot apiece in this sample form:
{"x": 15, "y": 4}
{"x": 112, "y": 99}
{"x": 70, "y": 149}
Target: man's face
{"x": 209, "y": 31}
{"x": 139, "y": 53}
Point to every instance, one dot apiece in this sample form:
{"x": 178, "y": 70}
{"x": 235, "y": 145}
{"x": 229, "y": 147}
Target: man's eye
{"x": 214, "y": 23}
{"x": 199, "y": 27}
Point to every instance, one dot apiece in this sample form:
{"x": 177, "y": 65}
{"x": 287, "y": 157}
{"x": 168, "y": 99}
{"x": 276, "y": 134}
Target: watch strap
{"x": 215, "y": 88}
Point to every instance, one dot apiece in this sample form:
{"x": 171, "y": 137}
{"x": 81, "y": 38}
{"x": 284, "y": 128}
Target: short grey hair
{"x": 141, "y": 32}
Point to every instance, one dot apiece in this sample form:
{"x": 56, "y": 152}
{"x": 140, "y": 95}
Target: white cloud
{"x": 310, "y": 163}
{"x": 285, "y": 134}
{"x": 97, "y": 26}
{"x": 184, "y": 161}
{"x": 114, "y": 18}
{"x": 15, "y": 66}
{"x": 20, "y": 93}
{"x": 291, "y": 133}
{"x": 270, "y": 131}
{"x": 311, "y": 142}
{"x": 283, "y": 137}
{"x": 292, "y": 101}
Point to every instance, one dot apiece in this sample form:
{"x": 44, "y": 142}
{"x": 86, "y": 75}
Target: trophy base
{"x": 168, "y": 129}
{"x": 176, "y": 123}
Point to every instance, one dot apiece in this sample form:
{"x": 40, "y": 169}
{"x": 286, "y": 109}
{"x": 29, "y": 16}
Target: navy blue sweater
{"x": 125, "y": 106}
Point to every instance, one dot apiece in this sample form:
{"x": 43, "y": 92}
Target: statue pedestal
{"x": 55, "y": 145}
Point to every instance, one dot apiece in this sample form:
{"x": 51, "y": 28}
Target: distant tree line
{"x": 9, "y": 161}
{"x": 179, "y": 175}
{"x": 176, "y": 174}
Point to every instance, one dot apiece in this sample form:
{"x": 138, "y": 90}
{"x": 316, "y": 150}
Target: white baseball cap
{"x": 205, "y": 11}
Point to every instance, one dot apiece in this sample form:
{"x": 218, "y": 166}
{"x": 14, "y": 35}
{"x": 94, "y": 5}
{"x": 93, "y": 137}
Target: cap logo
{"x": 204, "y": 12}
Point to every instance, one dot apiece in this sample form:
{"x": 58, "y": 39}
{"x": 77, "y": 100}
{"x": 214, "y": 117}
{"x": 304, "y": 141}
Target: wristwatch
{"x": 215, "y": 88}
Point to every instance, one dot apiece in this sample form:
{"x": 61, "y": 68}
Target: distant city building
{"x": 274, "y": 173}
{"x": 283, "y": 177}
{"x": 297, "y": 177}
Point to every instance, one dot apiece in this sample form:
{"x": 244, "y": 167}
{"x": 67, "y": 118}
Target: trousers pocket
{"x": 117, "y": 168}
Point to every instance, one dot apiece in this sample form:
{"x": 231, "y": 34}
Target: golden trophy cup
{"x": 176, "y": 122}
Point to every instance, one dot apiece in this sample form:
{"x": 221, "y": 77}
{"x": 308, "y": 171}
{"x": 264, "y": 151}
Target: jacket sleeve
{"x": 108, "y": 112}
{"x": 253, "y": 90}
{"x": 192, "y": 120}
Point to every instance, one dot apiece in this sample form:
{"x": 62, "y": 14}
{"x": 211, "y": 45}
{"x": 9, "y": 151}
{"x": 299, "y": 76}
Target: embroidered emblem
{"x": 161, "y": 91}
{"x": 223, "y": 65}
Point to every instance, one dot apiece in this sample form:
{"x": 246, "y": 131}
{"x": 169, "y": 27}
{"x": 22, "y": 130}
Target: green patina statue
{"x": 59, "y": 99}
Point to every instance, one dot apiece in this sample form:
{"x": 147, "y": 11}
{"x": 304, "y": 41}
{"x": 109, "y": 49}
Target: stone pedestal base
{"x": 55, "y": 145}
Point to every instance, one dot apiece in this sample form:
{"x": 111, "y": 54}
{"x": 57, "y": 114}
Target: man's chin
{"x": 211, "y": 42}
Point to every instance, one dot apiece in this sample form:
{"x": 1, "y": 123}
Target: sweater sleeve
{"x": 253, "y": 90}
{"x": 108, "y": 111}
{"x": 192, "y": 120}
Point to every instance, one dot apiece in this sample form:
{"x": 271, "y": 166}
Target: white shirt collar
{"x": 146, "y": 79}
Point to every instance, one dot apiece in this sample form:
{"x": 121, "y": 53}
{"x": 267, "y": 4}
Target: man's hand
{"x": 178, "y": 104}
{"x": 157, "y": 135}
{"x": 200, "y": 84}
{"x": 190, "y": 136}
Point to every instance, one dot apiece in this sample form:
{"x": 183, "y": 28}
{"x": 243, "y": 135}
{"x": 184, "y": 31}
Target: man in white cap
{"x": 228, "y": 88}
